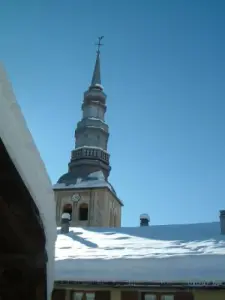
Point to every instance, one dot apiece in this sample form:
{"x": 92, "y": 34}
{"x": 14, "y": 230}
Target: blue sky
{"x": 163, "y": 70}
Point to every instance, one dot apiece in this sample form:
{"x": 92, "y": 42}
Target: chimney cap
{"x": 66, "y": 216}
{"x": 145, "y": 217}
{"x": 222, "y": 212}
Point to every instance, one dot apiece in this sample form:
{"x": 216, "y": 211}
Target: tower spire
{"x": 96, "y": 78}
{"x": 92, "y": 133}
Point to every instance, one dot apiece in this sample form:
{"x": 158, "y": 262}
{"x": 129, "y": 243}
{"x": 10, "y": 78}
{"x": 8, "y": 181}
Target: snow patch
{"x": 82, "y": 184}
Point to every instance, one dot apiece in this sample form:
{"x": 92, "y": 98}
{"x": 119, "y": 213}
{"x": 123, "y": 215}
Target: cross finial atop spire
{"x": 96, "y": 78}
{"x": 99, "y": 43}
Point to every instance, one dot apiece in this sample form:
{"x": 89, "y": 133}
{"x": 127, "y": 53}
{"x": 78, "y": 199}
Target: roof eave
{"x": 144, "y": 285}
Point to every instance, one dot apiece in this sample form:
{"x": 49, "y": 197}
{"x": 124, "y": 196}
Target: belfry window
{"x": 83, "y": 212}
{"x": 67, "y": 208}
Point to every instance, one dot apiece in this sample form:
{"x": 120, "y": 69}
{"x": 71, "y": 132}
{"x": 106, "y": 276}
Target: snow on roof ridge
{"x": 184, "y": 224}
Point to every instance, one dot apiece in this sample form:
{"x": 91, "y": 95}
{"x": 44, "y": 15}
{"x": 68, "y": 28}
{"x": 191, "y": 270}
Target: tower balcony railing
{"x": 91, "y": 153}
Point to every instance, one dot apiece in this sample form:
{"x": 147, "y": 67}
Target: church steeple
{"x": 89, "y": 197}
{"x": 92, "y": 133}
{"x": 96, "y": 78}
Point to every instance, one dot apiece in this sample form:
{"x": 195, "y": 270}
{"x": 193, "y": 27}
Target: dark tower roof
{"x": 96, "y": 78}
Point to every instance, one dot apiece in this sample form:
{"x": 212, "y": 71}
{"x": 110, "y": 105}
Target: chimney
{"x": 222, "y": 221}
{"x": 144, "y": 220}
{"x": 65, "y": 222}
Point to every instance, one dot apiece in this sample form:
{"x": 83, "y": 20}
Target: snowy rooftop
{"x": 82, "y": 184}
{"x": 166, "y": 253}
{"x": 93, "y": 180}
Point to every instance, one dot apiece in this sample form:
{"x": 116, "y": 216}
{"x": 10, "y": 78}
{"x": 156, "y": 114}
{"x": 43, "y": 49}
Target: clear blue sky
{"x": 163, "y": 69}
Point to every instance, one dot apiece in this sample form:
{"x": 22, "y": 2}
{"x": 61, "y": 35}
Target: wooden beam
{"x": 22, "y": 284}
{"x": 18, "y": 209}
{"x": 5, "y": 176}
{"x": 22, "y": 261}
{"x": 22, "y": 254}
{"x": 18, "y": 229}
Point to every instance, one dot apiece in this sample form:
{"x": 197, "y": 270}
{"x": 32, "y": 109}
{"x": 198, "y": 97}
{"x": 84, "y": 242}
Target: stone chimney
{"x": 222, "y": 221}
{"x": 144, "y": 220}
{"x": 65, "y": 222}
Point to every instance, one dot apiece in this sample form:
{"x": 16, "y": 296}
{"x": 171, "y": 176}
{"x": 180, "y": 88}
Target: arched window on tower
{"x": 67, "y": 208}
{"x": 83, "y": 212}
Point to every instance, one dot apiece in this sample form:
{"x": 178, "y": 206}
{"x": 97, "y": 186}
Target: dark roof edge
{"x": 131, "y": 284}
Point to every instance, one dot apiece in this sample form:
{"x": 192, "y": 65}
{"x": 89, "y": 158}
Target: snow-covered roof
{"x": 83, "y": 184}
{"x": 167, "y": 253}
{"x": 26, "y": 158}
{"x": 93, "y": 180}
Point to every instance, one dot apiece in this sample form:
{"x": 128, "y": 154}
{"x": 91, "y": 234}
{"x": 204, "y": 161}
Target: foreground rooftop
{"x": 166, "y": 253}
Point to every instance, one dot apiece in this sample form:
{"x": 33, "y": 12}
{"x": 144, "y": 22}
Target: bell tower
{"x": 89, "y": 166}
{"x": 92, "y": 133}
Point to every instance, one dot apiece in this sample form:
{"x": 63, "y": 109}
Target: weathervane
{"x": 99, "y": 43}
